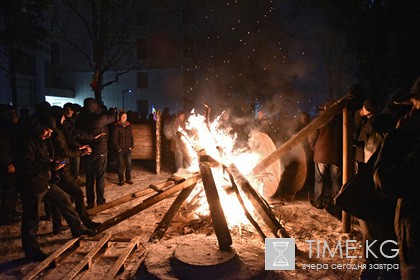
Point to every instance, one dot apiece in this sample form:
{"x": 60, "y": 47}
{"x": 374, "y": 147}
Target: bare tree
{"x": 103, "y": 32}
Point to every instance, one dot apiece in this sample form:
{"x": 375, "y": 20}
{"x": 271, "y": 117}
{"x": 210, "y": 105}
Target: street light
{"x": 123, "y": 97}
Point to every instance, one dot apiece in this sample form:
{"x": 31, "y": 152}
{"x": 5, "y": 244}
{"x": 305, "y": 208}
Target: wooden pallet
{"x": 84, "y": 258}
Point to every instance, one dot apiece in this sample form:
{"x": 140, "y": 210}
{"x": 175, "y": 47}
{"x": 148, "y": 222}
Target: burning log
{"x": 216, "y": 211}
{"x": 318, "y": 122}
{"x": 259, "y": 204}
{"x": 247, "y": 214}
{"x": 257, "y": 201}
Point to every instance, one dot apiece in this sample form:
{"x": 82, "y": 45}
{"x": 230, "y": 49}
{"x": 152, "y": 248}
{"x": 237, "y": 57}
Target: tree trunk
{"x": 98, "y": 93}
{"x": 12, "y": 80}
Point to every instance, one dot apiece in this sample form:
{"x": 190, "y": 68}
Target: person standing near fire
{"x": 327, "y": 146}
{"x": 396, "y": 175}
{"x": 124, "y": 143}
{"x": 171, "y": 131}
{"x": 94, "y": 120}
{"x": 36, "y": 167}
{"x": 366, "y": 140}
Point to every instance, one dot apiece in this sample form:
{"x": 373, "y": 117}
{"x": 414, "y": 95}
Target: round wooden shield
{"x": 262, "y": 144}
{"x": 295, "y": 171}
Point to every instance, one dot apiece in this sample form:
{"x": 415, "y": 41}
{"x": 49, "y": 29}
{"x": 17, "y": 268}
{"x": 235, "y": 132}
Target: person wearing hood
{"x": 94, "y": 121}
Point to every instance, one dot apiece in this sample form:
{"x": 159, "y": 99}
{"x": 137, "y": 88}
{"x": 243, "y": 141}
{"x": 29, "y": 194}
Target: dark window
{"x": 143, "y": 106}
{"x": 56, "y": 81}
{"x": 26, "y": 64}
{"x": 142, "y": 48}
{"x": 55, "y": 53}
{"x": 142, "y": 80}
{"x": 188, "y": 79}
{"x": 187, "y": 15}
{"x": 55, "y": 16}
{"x": 142, "y": 18}
{"x": 188, "y": 46}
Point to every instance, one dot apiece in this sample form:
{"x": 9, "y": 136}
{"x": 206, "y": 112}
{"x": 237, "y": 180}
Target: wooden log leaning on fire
{"x": 246, "y": 212}
{"x": 260, "y": 205}
{"x": 218, "y": 218}
{"x": 148, "y": 202}
{"x": 170, "y": 214}
{"x": 318, "y": 122}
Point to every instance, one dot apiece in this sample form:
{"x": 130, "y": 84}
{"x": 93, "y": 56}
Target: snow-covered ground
{"x": 300, "y": 219}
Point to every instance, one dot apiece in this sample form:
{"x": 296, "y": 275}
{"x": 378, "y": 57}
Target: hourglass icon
{"x": 280, "y": 248}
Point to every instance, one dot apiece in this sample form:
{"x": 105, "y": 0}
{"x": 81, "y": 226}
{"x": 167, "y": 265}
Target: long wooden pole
{"x": 348, "y": 165}
{"x": 158, "y": 141}
{"x": 169, "y": 216}
{"x": 318, "y": 122}
{"x": 148, "y": 202}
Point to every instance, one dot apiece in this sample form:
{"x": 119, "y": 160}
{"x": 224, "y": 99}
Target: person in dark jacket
{"x": 327, "y": 146}
{"x": 67, "y": 182}
{"x": 69, "y": 123}
{"x": 397, "y": 176}
{"x": 92, "y": 120}
{"x": 36, "y": 168}
{"x": 366, "y": 131}
{"x": 123, "y": 143}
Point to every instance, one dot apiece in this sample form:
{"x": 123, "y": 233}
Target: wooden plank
{"x": 51, "y": 260}
{"x": 148, "y": 202}
{"x": 170, "y": 214}
{"x": 218, "y": 218}
{"x": 348, "y": 164}
{"x": 304, "y": 133}
{"x": 120, "y": 201}
{"x": 143, "y": 142}
{"x": 162, "y": 186}
{"x": 87, "y": 260}
{"x": 119, "y": 264}
{"x": 176, "y": 179}
{"x": 132, "y": 268}
{"x": 259, "y": 204}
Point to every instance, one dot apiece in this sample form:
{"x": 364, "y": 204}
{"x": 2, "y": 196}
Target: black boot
{"x": 91, "y": 224}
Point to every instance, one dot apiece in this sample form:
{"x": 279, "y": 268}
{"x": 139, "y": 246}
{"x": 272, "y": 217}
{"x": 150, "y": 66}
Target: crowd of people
{"x": 40, "y": 163}
{"x": 40, "y": 159}
{"x": 386, "y": 147}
